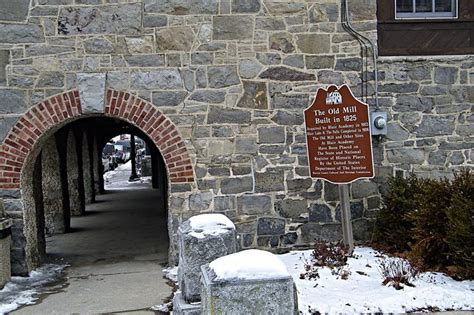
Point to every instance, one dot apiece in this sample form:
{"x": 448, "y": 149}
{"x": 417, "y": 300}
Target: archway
{"x": 20, "y": 149}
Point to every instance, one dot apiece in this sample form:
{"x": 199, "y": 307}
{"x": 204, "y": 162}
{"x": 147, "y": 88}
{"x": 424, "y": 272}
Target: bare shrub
{"x": 397, "y": 272}
{"x": 327, "y": 254}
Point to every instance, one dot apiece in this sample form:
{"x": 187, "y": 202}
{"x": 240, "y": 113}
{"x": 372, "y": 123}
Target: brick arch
{"x": 57, "y": 110}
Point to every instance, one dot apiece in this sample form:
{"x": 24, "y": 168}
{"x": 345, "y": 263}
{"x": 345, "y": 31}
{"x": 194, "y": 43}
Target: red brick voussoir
{"x": 57, "y": 109}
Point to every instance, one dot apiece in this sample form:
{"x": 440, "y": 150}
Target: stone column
{"x": 61, "y": 144}
{"x": 97, "y": 165}
{"x": 5, "y": 240}
{"x": 52, "y": 188}
{"x": 86, "y": 170}
{"x": 75, "y": 203}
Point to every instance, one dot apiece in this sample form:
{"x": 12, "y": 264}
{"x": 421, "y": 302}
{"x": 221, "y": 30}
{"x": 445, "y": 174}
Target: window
{"x": 425, "y": 27}
{"x": 426, "y": 9}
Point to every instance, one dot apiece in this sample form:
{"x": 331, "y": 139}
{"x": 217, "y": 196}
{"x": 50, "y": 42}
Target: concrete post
{"x": 52, "y": 188}
{"x": 75, "y": 203}
{"x": 86, "y": 170}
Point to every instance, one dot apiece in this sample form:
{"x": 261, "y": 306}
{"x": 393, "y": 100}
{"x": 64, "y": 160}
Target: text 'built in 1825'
{"x": 338, "y": 136}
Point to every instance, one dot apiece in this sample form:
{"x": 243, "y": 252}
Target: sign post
{"x": 339, "y": 144}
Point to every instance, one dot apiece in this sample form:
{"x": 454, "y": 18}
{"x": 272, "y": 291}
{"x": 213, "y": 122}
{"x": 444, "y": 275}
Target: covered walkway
{"x": 116, "y": 251}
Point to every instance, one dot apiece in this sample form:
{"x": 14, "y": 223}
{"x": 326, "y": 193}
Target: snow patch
{"x": 210, "y": 224}
{"x": 24, "y": 290}
{"x": 249, "y": 264}
{"x": 171, "y": 273}
{"x": 332, "y": 295}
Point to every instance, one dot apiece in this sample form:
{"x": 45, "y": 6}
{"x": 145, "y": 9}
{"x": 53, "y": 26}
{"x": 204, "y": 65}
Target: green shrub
{"x": 460, "y": 232}
{"x": 432, "y": 198}
{"x": 431, "y": 221}
{"x": 393, "y": 228}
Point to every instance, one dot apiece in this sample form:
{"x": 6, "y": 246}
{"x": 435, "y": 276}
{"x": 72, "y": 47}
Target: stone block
{"x": 406, "y": 155}
{"x": 255, "y": 95}
{"x": 271, "y": 135}
{"x": 50, "y": 79}
{"x": 152, "y": 60}
{"x": 292, "y": 102}
{"x": 6, "y": 123}
{"x": 180, "y": 307}
{"x": 91, "y": 88}
{"x": 282, "y": 42}
{"x": 168, "y": 98}
{"x": 313, "y": 43}
{"x": 202, "y": 239}
{"x": 445, "y": 75}
{"x": 285, "y": 7}
{"x": 208, "y": 96}
{"x": 245, "y": 6}
{"x": 107, "y": 19}
{"x": 286, "y": 74}
{"x": 246, "y": 145}
{"x": 254, "y": 204}
{"x": 296, "y": 61}
{"x": 155, "y": 20}
{"x": 235, "y": 185}
{"x": 270, "y": 180}
{"x": 357, "y": 210}
{"x": 175, "y": 38}
{"x": 21, "y": 33}
{"x": 4, "y": 61}
{"x": 249, "y": 68}
{"x": 15, "y": 11}
{"x": 181, "y": 7}
{"x": 319, "y": 62}
{"x": 361, "y": 189}
{"x": 314, "y": 231}
{"x": 248, "y": 282}
{"x": 236, "y": 27}
{"x": 200, "y": 201}
{"x": 271, "y": 226}
{"x": 291, "y": 208}
{"x": 432, "y": 125}
{"x": 98, "y": 46}
{"x": 219, "y": 115}
{"x": 13, "y": 101}
{"x": 222, "y": 76}
{"x": 162, "y": 79}
{"x": 320, "y": 213}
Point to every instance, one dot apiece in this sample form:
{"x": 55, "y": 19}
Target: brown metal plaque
{"x": 338, "y": 136}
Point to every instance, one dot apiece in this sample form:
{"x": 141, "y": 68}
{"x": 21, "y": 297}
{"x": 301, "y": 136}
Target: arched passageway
{"x": 57, "y": 137}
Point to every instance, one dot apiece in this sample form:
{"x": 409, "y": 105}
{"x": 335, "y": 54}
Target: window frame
{"x": 427, "y": 15}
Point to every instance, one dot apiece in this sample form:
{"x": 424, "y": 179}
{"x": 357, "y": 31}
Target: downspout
{"x": 365, "y": 43}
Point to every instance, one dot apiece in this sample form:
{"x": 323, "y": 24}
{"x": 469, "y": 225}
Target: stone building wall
{"x": 234, "y": 77}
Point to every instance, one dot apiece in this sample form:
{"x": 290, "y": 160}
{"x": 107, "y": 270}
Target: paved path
{"x": 116, "y": 253}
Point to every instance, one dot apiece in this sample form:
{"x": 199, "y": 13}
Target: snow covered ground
{"x": 363, "y": 291}
{"x": 118, "y": 179}
{"x": 25, "y": 290}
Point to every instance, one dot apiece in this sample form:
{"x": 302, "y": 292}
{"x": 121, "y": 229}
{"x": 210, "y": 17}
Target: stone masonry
{"x": 233, "y": 78}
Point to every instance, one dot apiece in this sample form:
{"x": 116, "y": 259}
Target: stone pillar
{"x": 98, "y": 169}
{"x": 257, "y": 277}
{"x": 5, "y": 240}
{"x": 86, "y": 170}
{"x": 61, "y": 144}
{"x": 75, "y": 204}
{"x": 202, "y": 239}
{"x": 80, "y": 166}
{"x": 28, "y": 241}
{"x": 52, "y": 188}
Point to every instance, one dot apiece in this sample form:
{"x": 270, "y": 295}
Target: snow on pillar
{"x": 52, "y": 188}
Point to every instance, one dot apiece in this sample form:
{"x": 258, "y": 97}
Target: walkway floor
{"x": 116, "y": 252}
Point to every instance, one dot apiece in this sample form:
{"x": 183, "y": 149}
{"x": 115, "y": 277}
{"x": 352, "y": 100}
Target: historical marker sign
{"x": 338, "y": 136}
